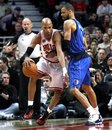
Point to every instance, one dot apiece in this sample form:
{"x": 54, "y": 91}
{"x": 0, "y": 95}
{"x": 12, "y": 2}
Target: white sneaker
{"x": 9, "y": 116}
{"x": 110, "y": 104}
{"x": 95, "y": 120}
{"x": 2, "y": 116}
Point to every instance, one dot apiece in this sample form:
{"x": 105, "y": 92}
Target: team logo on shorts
{"x": 76, "y": 82}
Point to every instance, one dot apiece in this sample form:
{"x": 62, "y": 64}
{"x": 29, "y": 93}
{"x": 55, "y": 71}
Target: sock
{"x": 49, "y": 111}
{"x": 30, "y": 103}
{"x": 91, "y": 110}
{"x": 97, "y": 110}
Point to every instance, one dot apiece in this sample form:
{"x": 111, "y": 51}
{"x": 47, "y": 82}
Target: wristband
{"x": 64, "y": 71}
{"x": 27, "y": 54}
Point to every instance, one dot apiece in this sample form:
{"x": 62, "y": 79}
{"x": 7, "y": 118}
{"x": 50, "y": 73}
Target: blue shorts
{"x": 79, "y": 72}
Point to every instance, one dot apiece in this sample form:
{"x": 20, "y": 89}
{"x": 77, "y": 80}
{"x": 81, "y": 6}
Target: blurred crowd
{"x": 96, "y": 18}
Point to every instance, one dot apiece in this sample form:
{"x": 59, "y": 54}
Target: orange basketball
{"x": 31, "y": 70}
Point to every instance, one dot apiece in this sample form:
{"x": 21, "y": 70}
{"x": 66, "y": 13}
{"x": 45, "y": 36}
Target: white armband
{"x": 64, "y": 71}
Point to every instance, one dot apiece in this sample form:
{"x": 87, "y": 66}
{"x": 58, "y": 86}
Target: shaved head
{"x": 47, "y": 26}
{"x": 46, "y": 21}
{"x": 27, "y": 20}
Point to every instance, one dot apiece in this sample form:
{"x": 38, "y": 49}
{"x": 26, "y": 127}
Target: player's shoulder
{"x": 38, "y": 36}
{"x": 56, "y": 32}
{"x": 68, "y": 21}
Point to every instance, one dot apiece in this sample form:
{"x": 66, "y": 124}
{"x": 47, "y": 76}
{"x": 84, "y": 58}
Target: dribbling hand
{"x": 27, "y": 62}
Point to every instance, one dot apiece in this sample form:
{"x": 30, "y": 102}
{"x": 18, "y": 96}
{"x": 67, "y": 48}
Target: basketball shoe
{"x": 95, "y": 120}
{"x": 29, "y": 113}
{"x": 43, "y": 118}
{"x": 9, "y": 116}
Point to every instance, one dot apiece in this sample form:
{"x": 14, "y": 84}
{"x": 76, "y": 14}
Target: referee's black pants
{"x": 23, "y": 93}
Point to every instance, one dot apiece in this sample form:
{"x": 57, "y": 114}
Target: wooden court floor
{"x": 52, "y": 124}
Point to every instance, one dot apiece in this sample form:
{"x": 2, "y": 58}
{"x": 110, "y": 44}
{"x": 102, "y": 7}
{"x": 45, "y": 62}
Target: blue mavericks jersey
{"x": 76, "y": 42}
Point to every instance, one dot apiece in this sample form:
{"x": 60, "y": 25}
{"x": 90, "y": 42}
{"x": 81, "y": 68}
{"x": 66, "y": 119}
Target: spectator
{"x": 109, "y": 64}
{"x": 20, "y": 18}
{"x": 7, "y": 23}
{"x": 18, "y": 25}
{"x": 108, "y": 79}
{"x": 5, "y": 9}
{"x": 100, "y": 61}
{"x": 104, "y": 8}
{"x": 14, "y": 77}
{"x": 88, "y": 39}
{"x": 44, "y": 89}
{"x": 109, "y": 31}
{"x": 91, "y": 28}
{"x": 99, "y": 36}
{"x": 92, "y": 18}
{"x": 94, "y": 47}
{"x": 109, "y": 49}
{"x": 106, "y": 23}
{"x": 17, "y": 28}
{"x": 9, "y": 105}
{"x": 106, "y": 42}
{"x": 101, "y": 89}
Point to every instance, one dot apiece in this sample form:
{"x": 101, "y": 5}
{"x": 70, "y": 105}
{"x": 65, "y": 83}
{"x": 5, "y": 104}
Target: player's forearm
{"x": 63, "y": 63}
{"x": 27, "y": 53}
{"x": 61, "y": 59}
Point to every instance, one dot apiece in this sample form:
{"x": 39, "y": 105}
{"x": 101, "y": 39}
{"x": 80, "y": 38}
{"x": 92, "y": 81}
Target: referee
{"x": 23, "y": 39}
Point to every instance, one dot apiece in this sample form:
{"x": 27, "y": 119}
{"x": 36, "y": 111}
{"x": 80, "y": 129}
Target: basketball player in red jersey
{"x": 51, "y": 63}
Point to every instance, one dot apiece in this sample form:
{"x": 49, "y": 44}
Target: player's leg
{"x": 92, "y": 98}
{"x": 53, "y": 102}
{"x": 77, "y": 76}
{"x": 57, "y": 87}
{"x": 31, "y": 89}
{"x": 77, "y": 71}
{"x": 91, "y": 95}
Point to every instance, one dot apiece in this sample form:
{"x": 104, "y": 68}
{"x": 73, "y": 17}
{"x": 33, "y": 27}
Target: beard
{"x": 66, "y": 18}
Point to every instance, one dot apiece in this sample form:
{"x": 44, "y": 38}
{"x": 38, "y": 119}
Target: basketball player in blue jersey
{"x": 78, "y": 67}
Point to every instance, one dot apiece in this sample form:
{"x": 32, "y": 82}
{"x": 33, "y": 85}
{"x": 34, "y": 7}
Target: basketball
{"x": 30, "y": 71}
